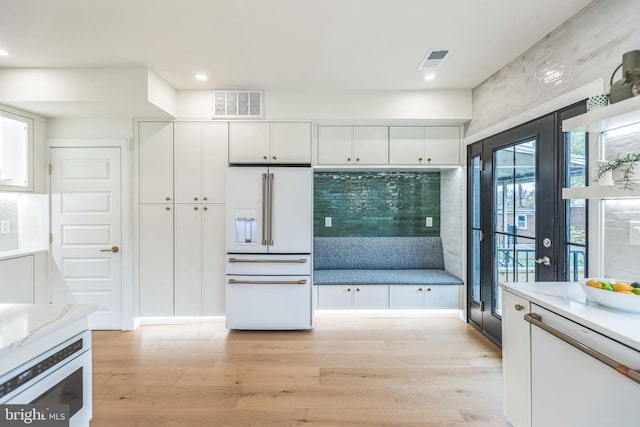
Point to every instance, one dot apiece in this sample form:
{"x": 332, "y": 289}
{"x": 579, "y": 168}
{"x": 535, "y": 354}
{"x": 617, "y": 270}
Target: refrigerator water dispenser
{"x": 246, "y": 226}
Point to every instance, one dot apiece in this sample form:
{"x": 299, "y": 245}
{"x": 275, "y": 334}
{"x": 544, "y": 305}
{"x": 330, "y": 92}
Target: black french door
{"x": 516, "y": 216}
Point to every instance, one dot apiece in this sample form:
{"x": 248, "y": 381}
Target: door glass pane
{"x": 514, "y": 234}
{"x": 475, "y": 266}
{"x": 475, "y": 189}
{"x": 576, "y": 209}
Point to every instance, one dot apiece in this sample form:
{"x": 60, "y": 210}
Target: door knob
{"x": 544, "y": 261}
{"x": 113, "y": 249}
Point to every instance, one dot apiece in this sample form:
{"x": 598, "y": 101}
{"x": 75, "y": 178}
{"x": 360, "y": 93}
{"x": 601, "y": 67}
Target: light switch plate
{"x": 429, "y": 221}
{"x": 5, "y": 227}
{"x": 327, "y": 221}
{"x": 634, "y": 232}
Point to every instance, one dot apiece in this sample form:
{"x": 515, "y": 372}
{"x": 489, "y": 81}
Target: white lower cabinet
{"x": 359, "y": 297}
{"x": 417, "y": 297}
{"x": 156, "y": 260}
{"x": 516, "y": 359}
{"x": 181, "y": 260}
{"x": 17, "y": 280}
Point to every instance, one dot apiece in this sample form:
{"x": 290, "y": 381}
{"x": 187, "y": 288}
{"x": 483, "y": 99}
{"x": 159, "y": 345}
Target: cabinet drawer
{"x": 268, "y": 264}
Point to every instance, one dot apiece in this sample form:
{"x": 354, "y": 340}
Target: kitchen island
{"x": 45, "y": 357}
{"x": 547, "y": 380}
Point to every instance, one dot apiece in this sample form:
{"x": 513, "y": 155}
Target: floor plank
{"x": 345, "y": 372}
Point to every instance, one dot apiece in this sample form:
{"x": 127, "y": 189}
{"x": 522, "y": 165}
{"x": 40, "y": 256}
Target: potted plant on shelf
{"x": 622, "y": 169}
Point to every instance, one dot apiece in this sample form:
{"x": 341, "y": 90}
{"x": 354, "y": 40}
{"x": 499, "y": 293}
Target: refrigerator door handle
{"x": 264, "y": 200}
{"x": 271, "y": 209}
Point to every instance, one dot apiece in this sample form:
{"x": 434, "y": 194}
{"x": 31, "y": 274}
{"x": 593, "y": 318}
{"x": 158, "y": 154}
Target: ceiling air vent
{"x": 237, "y": 104}
{"x": 433, "y": 59}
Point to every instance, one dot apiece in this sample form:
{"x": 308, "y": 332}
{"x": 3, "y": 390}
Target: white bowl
{"x": 624, "y": 302}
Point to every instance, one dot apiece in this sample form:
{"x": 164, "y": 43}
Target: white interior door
{"x": 86, "y": 226}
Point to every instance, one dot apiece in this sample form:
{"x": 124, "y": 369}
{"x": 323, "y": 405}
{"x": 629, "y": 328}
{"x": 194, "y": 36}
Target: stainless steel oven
{"x": 60, "y": 375}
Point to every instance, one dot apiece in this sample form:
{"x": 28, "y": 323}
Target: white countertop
{"x": 567, "y": 299}
{"x": 21, "y": 324}
{"x": 14, "y": 253}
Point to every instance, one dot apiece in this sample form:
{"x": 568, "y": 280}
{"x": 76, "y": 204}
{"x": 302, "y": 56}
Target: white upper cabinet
{"x": 248, "y": 142}
{"x": 200, "y": 158}
{"x": 416, "y": 145}
{"x": 269, "y": 142}
{"x": 335, "y": 145}
{"x": 156, "y": 162}
{"x": 371, "y": 145}
{"x": 353, "y": 145}
{"x": 290, "y": 143}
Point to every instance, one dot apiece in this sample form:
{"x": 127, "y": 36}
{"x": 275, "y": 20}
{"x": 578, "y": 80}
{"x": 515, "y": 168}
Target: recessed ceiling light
{"x": 3, "y": 52}
{"x": 430, "y": 77}
{"x": 201, "y": 76}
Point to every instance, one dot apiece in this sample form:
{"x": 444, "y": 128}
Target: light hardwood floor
{"x": 345, "y": 372}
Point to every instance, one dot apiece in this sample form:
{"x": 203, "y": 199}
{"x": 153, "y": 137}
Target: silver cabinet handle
{"x": 536, "y": 319}
{"x": 267, "y": 282}
{"x": 264, "y": 201}
{"x": 270, "y": 261}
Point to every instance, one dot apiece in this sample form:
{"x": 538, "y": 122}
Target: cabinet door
{"x": 406, "y": 297}
{"x": 156, "y": 260}
{"x": 371, "y": 296}
{"x": 213, "y": 260}
{"x": 335, "y": 145}
{"x": 516, "y": 359}
{"x": 248, "y": 142}
{"x": 335, "y": 297}
{"x": 188, "y": 260}
{"x": 371, "y": 145}
{"x": 442, "y": 296}
{"x": 442, "y": 145}
{"x": 16, "y": 280}
{"x": 291, "y": 143}
{"x": 188, "y": 162}
{"x": 215, "y": 143}
{"x": 155, "y": 141}
{"x": 406, "y": 145}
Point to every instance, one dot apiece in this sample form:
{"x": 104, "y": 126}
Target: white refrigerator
{"x": 268, "y": 221}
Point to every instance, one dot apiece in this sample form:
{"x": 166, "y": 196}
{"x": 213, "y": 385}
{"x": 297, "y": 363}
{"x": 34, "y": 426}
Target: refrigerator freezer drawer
{"x": 257, "y": 264}
{"x": 268, "y": 302}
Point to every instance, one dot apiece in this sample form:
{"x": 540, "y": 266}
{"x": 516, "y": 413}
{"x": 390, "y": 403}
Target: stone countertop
{"x": 15, "y": 253}
{"x": 22, "y": 324}
{"x": 568, "y": 300}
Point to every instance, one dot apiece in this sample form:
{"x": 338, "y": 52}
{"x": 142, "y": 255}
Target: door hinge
{"x": 481, "y": 305}
{"x": 50, "y": 238}
{"x": 481, "y": 236}
{"x": 49, "y": 168}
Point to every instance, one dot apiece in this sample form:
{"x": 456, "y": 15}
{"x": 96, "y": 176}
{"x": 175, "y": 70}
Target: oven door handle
{"x": 267, "y": 282}
{"x": 270, "y": 261}
{"x": 633, "y": 374}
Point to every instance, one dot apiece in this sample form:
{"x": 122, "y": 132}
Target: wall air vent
{"x": 432, "y": 59}
{"x": 237, "y": 104}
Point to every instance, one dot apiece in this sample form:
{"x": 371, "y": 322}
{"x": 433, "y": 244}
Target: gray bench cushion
{"x": 378, "y": 253}
{"x": 384, "y": 277}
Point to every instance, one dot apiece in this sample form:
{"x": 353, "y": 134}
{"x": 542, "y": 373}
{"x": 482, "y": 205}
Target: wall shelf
{"x": 603, "y": 119}
{"x": 601, "y": 192}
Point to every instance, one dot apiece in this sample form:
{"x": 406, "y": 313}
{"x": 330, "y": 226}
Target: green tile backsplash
{"x": 376, "y": 204}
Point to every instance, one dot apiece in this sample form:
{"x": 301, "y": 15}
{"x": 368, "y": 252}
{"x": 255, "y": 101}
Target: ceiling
{"x": 281, "y": 44}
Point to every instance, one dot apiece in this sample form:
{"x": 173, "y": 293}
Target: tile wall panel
{"x": 451, "y": 224}
{"x": 587, "y": 47}
{"x": 376, "y": 204}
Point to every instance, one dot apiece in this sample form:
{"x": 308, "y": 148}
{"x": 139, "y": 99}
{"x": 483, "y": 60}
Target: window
{"x": 521, "y": 221}
{"x": 576, "y": 209}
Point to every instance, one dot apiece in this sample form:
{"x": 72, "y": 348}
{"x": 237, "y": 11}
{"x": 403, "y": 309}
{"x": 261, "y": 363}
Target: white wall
{"x": 443, "y": 106}
{"x": 586, "y": 48}
{"x": 116, "y": 128}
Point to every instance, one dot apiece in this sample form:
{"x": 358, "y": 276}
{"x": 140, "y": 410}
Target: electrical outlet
{"x": 634, "y": 232}
{"x": 429, "y": 222}
{"x": 327, "y": 221}
{"x": 5, "y": 227}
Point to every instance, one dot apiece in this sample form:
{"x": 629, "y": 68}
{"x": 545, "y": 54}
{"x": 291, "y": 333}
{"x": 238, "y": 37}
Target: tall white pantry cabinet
{"x": 181, "y": 232}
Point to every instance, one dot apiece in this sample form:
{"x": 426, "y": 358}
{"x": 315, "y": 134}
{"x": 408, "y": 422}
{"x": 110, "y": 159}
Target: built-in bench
{"x": 383, "y": 272}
